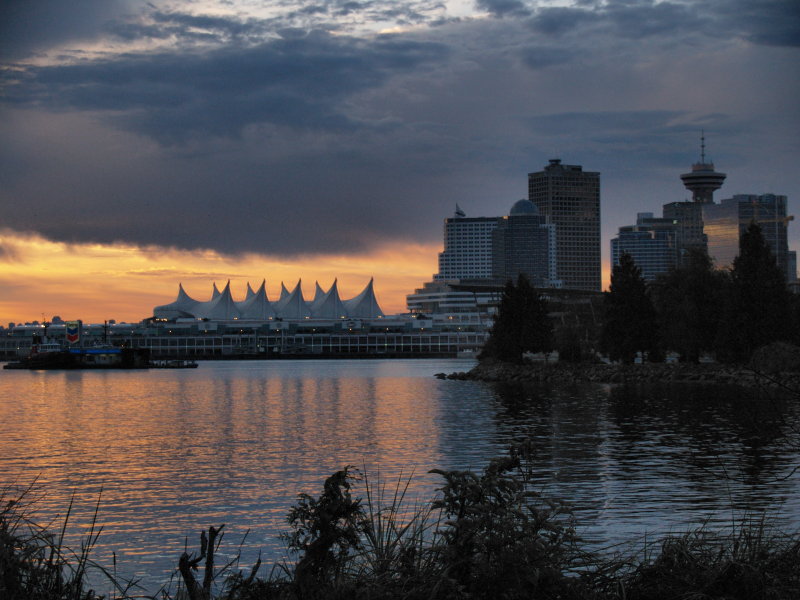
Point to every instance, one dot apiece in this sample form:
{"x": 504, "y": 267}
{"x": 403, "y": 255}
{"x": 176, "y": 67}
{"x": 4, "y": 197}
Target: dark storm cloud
{"x": 28, "y": 26}
{"x": 502, "y": 8}
{"x": 186, "y": 27}
{"x": 768, "y": 22}
{"x": 538, "y": 57}
{"x": 299, "y": 81}
{"x": 291, "y": 134}
{"x": 653, "y": 135}
{"x": 772, "y": 22}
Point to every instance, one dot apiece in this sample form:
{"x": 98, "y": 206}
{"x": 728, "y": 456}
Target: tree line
{"x": 693, "y": 310}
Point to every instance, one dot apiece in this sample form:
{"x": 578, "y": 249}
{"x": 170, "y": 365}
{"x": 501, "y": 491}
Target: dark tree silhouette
{"x": 629, "y": 321}
{"x": 757, "y": 310}
{"x": 521, "y": 324}
{"x": 688, "y": 301}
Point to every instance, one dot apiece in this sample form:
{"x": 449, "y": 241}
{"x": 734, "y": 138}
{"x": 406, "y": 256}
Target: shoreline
{"x": 647, "y": 373}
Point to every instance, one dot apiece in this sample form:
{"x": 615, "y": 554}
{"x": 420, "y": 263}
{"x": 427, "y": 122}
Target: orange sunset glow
{"x": 95, "y": 282}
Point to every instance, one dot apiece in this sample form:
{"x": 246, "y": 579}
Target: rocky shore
{"x": 565, "y": 373}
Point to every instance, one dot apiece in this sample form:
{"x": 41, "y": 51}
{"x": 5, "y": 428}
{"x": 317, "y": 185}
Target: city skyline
{"x": 147, "y": 144}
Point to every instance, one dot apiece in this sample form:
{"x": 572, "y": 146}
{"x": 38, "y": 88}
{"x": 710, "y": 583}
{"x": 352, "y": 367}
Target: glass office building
{"x": 652, "y": 243}
{"x": 724, "y": 223}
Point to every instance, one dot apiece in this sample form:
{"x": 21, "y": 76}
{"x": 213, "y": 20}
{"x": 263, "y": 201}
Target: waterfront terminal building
{"x": 255, "y": 327}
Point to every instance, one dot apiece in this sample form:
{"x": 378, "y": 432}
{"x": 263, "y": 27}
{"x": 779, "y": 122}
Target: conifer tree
{"x": 629, "y": 320}
{"x": 688, "y": 301}
{"x": 521, "y": 324}
{"x": 758, "y": 308}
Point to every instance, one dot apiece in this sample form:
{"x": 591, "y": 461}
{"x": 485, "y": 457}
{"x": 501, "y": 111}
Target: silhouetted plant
{"x": 629, "y": 321}
{"x": 757, "y": 310}
{"x": 569, "y": 346}
{"x": 327, "y": 532}
{"x": 521, "y": 324}
{"x": 35, "y": 563}
{"x": 502, "y": 539}
{"x": 688, "y": 301}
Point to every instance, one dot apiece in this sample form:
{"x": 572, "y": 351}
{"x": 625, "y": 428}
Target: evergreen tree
{"x": 521, "y": 324}
{"x": 688, "y": 301}
{"x": 629, "y": 320}
{"x": 758, "y": 308}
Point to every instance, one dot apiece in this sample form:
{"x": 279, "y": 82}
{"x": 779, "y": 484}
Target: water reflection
{"x": 637, "y": 459}
{"x": 235, "y": 442}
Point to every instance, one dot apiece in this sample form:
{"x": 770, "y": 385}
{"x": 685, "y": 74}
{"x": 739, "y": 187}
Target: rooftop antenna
{"x": 703, "y": 146}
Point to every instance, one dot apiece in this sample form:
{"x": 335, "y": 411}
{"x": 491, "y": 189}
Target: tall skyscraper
{"x": 467, "y": 247}
{"x": 570, "y": 198}
{"x": 724, "y": 224}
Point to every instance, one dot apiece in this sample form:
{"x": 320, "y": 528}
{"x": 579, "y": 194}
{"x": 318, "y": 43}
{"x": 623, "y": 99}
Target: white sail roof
{"x": 221, "y": 308}
{"x": 318, "y": 292}
{"x": 183, "y": 306}
{"x": 328, "y": 305}
{"x": 293, "y": 306}
{"x": 365, "y": 305}
{"x": 257, "y": 306}
{"x": 284, "y": 293}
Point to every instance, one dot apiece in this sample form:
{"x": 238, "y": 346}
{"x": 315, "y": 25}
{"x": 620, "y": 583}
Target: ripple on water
{"x": 235, "y": 442}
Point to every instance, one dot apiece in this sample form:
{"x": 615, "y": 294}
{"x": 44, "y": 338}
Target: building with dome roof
{"x": 487, "y": 252}
{"x": 524, "y": 243}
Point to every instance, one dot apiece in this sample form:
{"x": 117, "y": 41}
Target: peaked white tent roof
{"x": 221, "y": 307}
{"x": 284, "y": 293}
{"x": 293, "y": 306}
{"x": 183, "y": 306}
{"x": 328, "y": 305}
{"x": 257, "y": 305}
{"x": 318, "y": 292}
{"x": 365, "y": 305}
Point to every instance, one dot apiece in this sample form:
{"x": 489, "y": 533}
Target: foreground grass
{"x": 487, "y": 535}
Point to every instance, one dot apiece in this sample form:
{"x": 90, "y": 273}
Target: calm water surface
{"x": 235, "y": 442}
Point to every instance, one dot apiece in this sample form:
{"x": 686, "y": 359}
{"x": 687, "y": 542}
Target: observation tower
{"x": 703, "y": 181}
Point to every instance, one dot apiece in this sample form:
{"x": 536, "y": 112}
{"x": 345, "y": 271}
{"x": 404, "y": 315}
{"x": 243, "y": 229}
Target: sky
{"x": 143, "y": 144}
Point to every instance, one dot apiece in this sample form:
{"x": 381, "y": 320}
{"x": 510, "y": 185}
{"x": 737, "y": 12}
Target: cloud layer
{"x": 290, "y": 128}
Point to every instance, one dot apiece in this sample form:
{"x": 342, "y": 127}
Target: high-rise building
{"x": 652, "y": 243}
{"x": 570, "y": 198}
{"x": 525, "y": 243}
{"x": 724, "y": 224}
{"x": 467, "y": 250}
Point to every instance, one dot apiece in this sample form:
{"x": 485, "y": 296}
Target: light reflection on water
{"x": 235, "y": 442}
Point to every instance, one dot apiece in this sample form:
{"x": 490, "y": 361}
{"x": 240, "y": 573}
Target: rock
{"x": 777, "y": 357}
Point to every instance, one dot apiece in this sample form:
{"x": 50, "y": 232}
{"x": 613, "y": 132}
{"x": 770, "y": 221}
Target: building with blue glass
{"x": 652, "y": 243}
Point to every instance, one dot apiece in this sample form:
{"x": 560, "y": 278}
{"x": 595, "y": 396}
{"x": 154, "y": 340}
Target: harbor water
{"x": 168, "y": 453}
